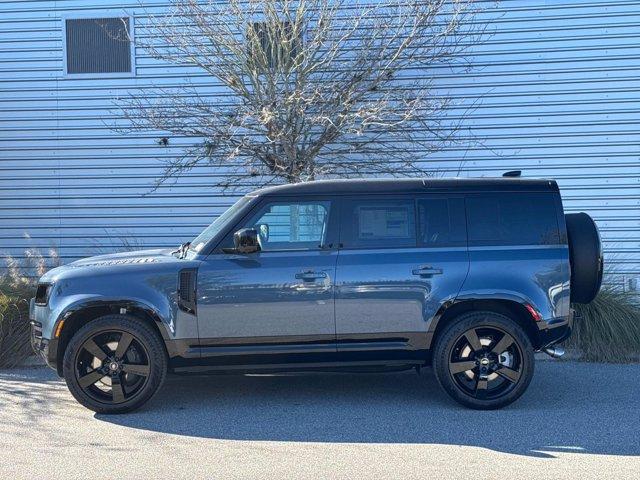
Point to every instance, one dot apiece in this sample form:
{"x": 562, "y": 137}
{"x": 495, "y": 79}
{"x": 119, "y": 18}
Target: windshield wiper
{"x": 182, "y": 249}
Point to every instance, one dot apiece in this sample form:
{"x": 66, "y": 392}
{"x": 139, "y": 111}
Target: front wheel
{"x": 484, "y": 360}
{"x": 114, "y": 364}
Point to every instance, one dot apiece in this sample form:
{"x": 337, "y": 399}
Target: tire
{"x": 507, "y": 373}
{"x": 106, "y": 380}
{"x": 585, "y": 256}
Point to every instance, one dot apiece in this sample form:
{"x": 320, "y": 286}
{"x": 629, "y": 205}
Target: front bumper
{"x": 43, "y": 347}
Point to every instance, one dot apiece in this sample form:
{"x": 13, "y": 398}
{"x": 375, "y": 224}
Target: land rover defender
{"x": 469, "y": 276}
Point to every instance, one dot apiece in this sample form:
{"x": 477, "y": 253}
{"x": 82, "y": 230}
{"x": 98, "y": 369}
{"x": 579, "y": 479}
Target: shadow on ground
{"x": 569, "y": 407}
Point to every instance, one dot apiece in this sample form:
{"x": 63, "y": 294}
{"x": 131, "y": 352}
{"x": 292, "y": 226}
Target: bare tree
{"x": 306, "y": 89}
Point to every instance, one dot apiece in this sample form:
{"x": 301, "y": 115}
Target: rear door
{"x": 401, "y": 258}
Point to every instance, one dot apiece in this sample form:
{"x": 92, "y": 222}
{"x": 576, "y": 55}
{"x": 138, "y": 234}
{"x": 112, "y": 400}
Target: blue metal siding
{"x": 555, "y": 89}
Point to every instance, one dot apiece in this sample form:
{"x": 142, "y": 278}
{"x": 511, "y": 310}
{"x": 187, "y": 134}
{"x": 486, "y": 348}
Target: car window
{"x": 512, "y": 219}
{"x": 441, "y": 222}
{"x": 291, "y": 225}
{"x": 218, "y": 225}
{"x": 378, "y": 223}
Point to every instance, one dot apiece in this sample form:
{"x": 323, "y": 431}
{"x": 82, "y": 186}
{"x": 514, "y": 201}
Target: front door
{"x": 276, "y": 305}
{"x": 402, "y": 258}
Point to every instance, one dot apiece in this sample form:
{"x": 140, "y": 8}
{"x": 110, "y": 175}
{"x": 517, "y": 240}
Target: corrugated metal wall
{"x": 556, "y": 89}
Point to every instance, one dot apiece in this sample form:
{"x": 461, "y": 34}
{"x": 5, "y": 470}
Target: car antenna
{"x": 512, "y": 173}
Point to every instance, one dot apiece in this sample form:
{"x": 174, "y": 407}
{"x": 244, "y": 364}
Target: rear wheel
{"x": 114, "y": 364}
{"x": 484, "y": 360}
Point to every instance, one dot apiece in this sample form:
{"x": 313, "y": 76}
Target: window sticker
{"x": 383, "y": 222}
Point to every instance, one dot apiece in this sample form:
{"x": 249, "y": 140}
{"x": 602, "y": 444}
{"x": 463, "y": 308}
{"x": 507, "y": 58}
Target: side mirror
{"x": 246, "y": 241}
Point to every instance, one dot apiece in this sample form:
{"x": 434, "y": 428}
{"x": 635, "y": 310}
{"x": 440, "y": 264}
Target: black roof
{"x": 411, "y": 185}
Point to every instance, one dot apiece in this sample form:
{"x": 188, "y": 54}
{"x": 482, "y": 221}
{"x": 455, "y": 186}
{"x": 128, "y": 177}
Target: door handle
{"x": 310, "y": 275}
{"x": 427, "y": 271}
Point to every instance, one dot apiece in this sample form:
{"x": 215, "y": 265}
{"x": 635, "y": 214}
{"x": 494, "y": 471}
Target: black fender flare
{"x": 133, "y": 308}
{"x": 502, "y": 303}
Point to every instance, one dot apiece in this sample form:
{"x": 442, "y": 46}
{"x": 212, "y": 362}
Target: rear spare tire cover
{"x": 585, "y": 255}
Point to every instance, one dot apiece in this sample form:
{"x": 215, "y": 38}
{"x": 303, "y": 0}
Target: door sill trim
{"x": 226, "y": 350}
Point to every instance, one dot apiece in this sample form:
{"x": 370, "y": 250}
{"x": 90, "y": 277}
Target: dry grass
{"x": 14, "y": 331}
{"x": 17, "y": 286}
{"x": 608, "y": 329}
{"x": 15, "y": 293}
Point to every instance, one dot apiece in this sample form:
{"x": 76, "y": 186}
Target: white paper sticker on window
{"x": 383, "y": 222}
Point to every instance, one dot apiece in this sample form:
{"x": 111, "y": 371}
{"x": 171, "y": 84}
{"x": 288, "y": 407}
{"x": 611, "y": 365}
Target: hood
{"x": 124, "y": 263}
{"x": 125, "y": 258}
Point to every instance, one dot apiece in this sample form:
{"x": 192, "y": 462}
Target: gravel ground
{"x": 577, "y": 420}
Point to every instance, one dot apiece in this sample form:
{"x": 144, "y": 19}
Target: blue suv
{"x": 470, "y": 276}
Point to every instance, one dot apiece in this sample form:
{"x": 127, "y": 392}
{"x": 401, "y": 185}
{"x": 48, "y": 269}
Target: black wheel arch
{"x": 510, "y": 308}
{"x": 82, "y": 314}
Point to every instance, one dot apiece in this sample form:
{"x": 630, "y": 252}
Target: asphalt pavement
{"x": 577, "y": 420}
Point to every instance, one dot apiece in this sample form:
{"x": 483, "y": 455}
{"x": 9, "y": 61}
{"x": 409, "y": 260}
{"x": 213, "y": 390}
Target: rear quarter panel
{"x": 537, "y": 275}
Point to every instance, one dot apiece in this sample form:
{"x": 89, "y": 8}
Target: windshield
{"x": 218, "y": 224}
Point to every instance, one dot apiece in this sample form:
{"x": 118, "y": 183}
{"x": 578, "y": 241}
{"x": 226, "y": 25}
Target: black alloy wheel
{"x": 114, "y": 364}
{"x": 484, "y": 360}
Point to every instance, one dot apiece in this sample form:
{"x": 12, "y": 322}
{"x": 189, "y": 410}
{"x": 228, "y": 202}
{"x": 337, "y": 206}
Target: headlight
{"x": 42, "y": 293}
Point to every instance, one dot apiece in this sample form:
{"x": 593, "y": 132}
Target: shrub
{"x": 17, "y": 286}
{"x": 15, "y": 347}
{"x": 608, "y": 329}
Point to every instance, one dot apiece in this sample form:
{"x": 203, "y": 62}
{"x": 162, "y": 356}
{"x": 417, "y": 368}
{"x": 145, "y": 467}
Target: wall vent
{"x": 98, "y": 45}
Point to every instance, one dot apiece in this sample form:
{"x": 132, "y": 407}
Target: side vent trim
{"x": 187, "y": 290}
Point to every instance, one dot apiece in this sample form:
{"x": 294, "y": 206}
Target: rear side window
{"x": 512, "y": 219}
{"x": 441, "y": 222}
{"x": 373, "y": 223}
